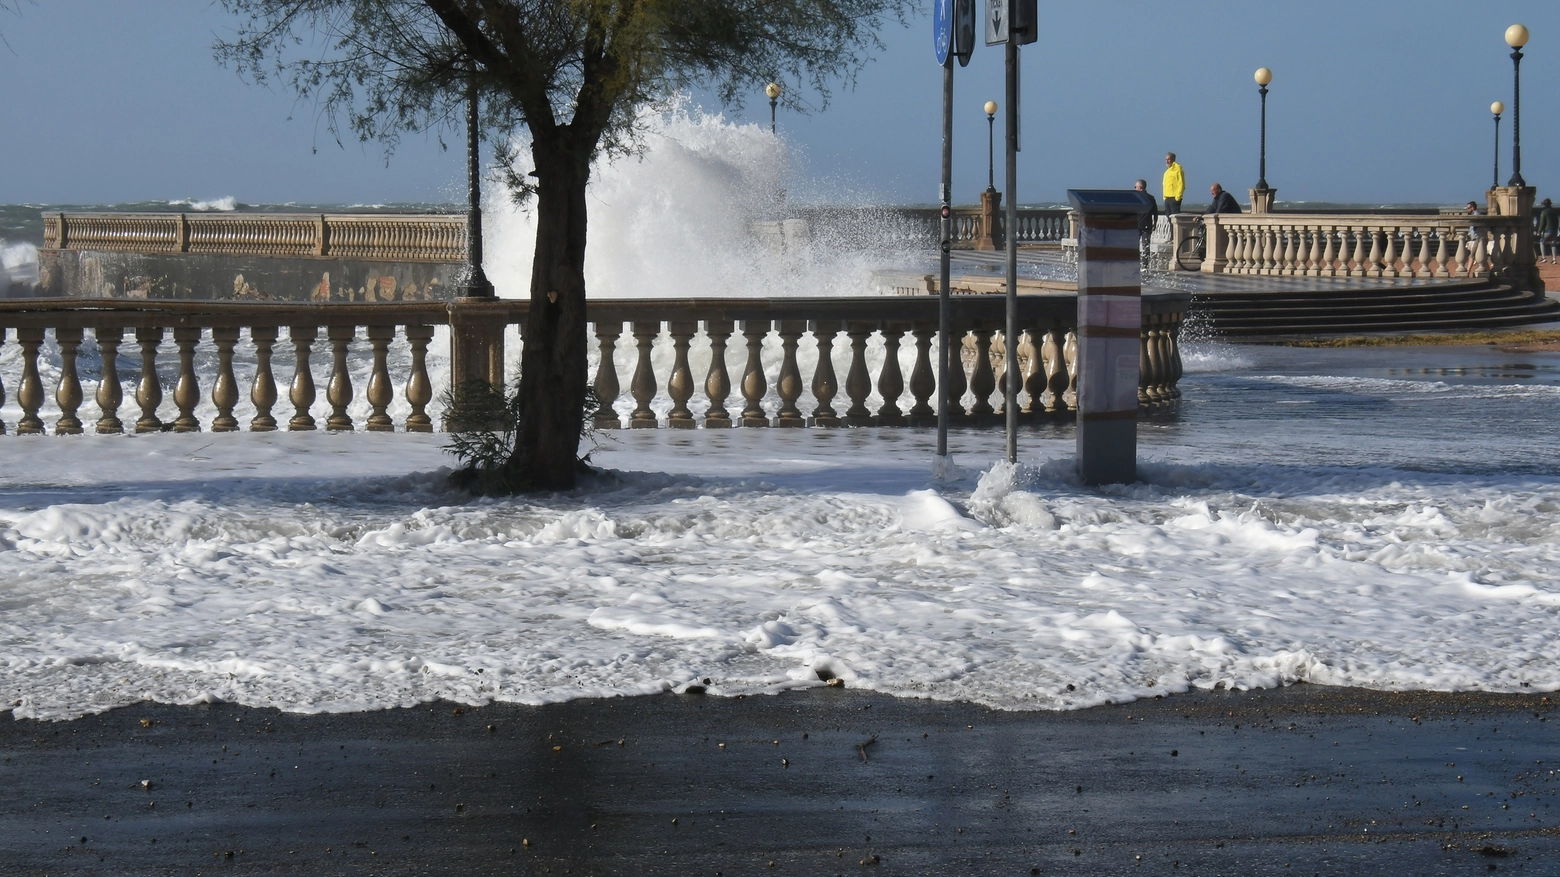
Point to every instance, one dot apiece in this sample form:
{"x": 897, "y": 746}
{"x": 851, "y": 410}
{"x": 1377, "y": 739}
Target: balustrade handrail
{"x": 419, "y": 237}
{"x": 1047, "y": 352}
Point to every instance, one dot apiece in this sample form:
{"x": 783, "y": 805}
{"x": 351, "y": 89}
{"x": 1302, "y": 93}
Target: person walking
{"x": 1547, "y": 224}
{"x": 1146, "y": 222}
{"x": 1173, "y": 186}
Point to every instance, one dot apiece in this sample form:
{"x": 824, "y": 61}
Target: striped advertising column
{"x": 1110, "y": 322}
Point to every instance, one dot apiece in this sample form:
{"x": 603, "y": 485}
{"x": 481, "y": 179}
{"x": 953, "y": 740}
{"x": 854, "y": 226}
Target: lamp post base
{"x": 990, "y": 215}
{"x": 1262, "y": 200}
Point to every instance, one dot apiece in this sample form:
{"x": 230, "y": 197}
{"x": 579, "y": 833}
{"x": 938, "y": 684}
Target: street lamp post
{"x": 1497, "y": 108}
{"x": 773, "y": 90}
{"x": 991, "y": 135}
{"x": 1516, "y": 38}
{"x": 477, "y": 285}
{"x": 1263, "y": 77}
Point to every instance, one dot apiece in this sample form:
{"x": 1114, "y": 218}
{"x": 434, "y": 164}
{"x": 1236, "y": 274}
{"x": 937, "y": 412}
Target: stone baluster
{"x": 1389, "y": 260}
{"x": 891, "y": 380}
{"x": 302, "y": 391}
{"x": 30, "y": 394}
{"x": 824, "y": 383}
{"x": 923, "y": 381}
{"x": 1250, "y": 250}
{"x": 380, "y": 393}
{"x": 1359, "y": 263}
{"x": 68, "y": 393}
{"x": 1233, "y": 235}
{"x": 642, "y": 384}
{"x": 1426, "y": 266}
{"x": 717, "y": 382}
{"x": 1145, "y": 368}
{"x": 224, "y": 391}
{"x": 1494, "y": 240}
{"x": 754, "y": 384}
{"x": 109, "y": 394}
{"x": 1158, "y": 353}
{"x": 2, "y": 380}
{"x": 607, "y": 388}
{"x": 1070, "y": 357}
{"x": 1326, "y": 266}
{"x": 958, "y": 383}
{"x": 1461, "y": 256}
{"x": 1286, "y": 249}
{"x": 263, "y": 392}
{"x": 339, "y": 391}
{"x": 186, "y": 390}
{"x": 1443, "y": 254}
{"x": 858, "y": 382}
{"x": 148, "y": 393}
{"x": 679, "y": 384}
{"x": 1054, "y": 382}
{"x": 419, "y": 389}
{"x": 789, "y": 384}
{"x": 1173, "y": 356}
{"x": 1373, "y": 262}
{"x": 984, "y": 380}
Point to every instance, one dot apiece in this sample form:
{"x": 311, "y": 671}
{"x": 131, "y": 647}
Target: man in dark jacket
{"x": 1146, "y": 222}
{"x": 1223, "y": 202}
{"x": 1547, "y": 224}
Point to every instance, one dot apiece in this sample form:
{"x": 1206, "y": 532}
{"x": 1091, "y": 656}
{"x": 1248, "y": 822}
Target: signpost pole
{"x": 944, "y": 348}
{"x": 1010, "y": 380}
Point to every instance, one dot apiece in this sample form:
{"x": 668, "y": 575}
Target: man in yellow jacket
{"x": 1174, "y": 185}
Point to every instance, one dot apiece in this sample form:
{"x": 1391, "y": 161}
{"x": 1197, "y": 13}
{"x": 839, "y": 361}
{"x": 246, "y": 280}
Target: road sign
{"x": 963, "y": 30}
{"x": 1014, "y": 20}
{"x": 942, "y": 29}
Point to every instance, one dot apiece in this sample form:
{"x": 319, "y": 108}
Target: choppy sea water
{"x": 1387, "y": 518}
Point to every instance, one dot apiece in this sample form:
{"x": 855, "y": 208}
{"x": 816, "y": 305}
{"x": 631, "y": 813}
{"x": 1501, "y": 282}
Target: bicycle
{"x": 1193, "y": 248}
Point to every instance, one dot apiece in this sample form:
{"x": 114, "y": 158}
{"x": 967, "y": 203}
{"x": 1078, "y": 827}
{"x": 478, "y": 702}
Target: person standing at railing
{"x": 1173, "y": 186}
{"x": 1146, "y": 222}
{"x": 1547, "y": 223}
{"x": 1222, "y": 201}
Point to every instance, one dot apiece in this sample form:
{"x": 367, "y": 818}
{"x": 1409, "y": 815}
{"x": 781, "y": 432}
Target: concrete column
{"x": 1110, "y": 322}
{"x": 1518, "y": 201}
{"x": 477, "y": 341}
{"x": 990, "y": 214}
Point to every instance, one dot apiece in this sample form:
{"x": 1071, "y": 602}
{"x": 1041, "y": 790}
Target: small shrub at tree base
{"x": 483, "y": 423}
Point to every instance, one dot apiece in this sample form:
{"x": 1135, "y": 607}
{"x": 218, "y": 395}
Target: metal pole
{"x": 991, "y": 151}
{"x": 477, "y": 285}
{"x": 944, "y": 321}
{"x": 772, "y": 102}
{"x": 1010, "y": 336}
{"x": 1262, "y": 162}
{"x": 1495, "y": 180}
{"x": 1516, "y": 119}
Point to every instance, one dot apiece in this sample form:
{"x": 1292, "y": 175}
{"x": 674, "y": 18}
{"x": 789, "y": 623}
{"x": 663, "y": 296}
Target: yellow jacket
{"x": 1175, "y": 181}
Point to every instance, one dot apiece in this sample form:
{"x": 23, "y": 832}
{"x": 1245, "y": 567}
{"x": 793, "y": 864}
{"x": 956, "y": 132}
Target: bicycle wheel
{"x": 1189, "y": 255}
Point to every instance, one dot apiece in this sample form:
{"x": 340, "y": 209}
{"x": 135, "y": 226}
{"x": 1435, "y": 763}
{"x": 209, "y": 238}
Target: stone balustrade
{"x": 206, "y": 337}
{"x": 1340, "y": 245}
{"x": 372, "y": 236}
{"x": 1035, "y": 225}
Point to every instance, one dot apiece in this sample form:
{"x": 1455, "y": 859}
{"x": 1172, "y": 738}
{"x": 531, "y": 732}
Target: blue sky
{"x": 1372, "y": 101}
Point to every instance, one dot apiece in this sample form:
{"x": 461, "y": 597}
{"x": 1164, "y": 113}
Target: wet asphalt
{"x": 1302, "y": 780}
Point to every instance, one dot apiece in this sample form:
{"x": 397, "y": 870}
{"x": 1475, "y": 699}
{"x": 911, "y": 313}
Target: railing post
{"x": 789, "y": 384}
{"x": 606, "y": 384}
{"x": 891, "y": 381}
{"x": 339, "y": 391}
{"x": 717, "y": 381}
{"x": 858, "y": 381}
{"x": 148, "y": 393}
{"x": 224, "y": 391}
{"x": 983, "y": 380}
{"x": 419, "y": 389}
{"x": 642, "y": 385}
{"x": 380, "y": 394}
{"x": 1519, "y": 263}
{"x": 109, "y": 394}
{"x": 679, "y": 384}
{"x": 302, "y": 391}
{"x": 186, "y": 391}
{"x": 754, "y": 385}
{"x": 990, "y": 216}
{"x": 476, "y": 345}
{"x": 824, "y": 383}
{"x": 1215, "y": 242}
{"x": 923, "y": 381}
{"x": 68, "y": 394}
{"x": 30, "y": 394}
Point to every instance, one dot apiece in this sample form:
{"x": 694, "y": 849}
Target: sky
{"x": 1371, "y": 102}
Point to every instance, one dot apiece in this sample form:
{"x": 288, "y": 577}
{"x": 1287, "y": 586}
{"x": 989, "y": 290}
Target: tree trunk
{"x": 552, "y": 364}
